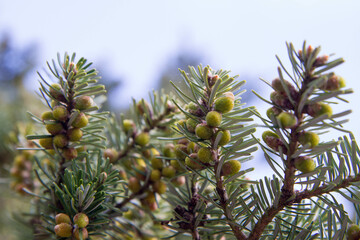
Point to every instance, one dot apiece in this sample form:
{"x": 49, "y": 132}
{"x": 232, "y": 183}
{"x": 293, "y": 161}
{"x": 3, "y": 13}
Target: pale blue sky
{"x": 135, "y": 38}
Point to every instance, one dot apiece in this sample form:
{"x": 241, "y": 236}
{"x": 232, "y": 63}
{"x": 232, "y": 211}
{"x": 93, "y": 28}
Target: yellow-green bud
{"x": 192, "y": 147}
{"x": 48, "y": 115}
{"x": 179, "y": 181}
{"x": 353, "y": 232}
{"x": 74, "y": 134}
{"x": 318, "y": 109}
{"x": 213, "y": 119}
{"x": 203, "y": 131}
{"x": 83, "y": 102}
{"x": 193, "y": 162}
{"x": 111, "y": 154}
{"x": 62, "y": 218}
{"x": 134, "y": 184}
{"x": 305, "y": 164}
{"x": 287, "y": 120}
{"x": 155, "y": 175}
{"x": 191, "y": 125}
{"x": 46, "y": 143}
{"x": 128, "y": 125}
{"x": 181, "y": 151}
{"x": 60, "y": 113}
{"x": 55, "y": 128}
{"x": 81, "y": 219}
{"x": 176, "y": 164}
{"x": 76, "y": 233}
{"x": 80, "y": 121}
{"x": 225, "y": 138}
{"x": 224, "y": 104}
{"x": 310, "y": 138}
{"x": 60, "y": 140}
{"x": 56, "y": 92}
{"x": 63, "y": 230}
{"x": 230, "y": 167}
{"x": 205, "y": 155}
{"x": 70, "y": 153}
{"x": 142, "y": 139}
{"x": 160, "y": 187}
{"x": 168, "y": 172}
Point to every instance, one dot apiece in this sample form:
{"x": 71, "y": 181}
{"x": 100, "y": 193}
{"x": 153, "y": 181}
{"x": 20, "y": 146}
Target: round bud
{"x": 140, "y": 106}
{"x": 205, "y": 155}
{"x": 55, "y": 128}
{"x": 122, "y": 175}
{"x": 169, "y": 151}
{"x": 230, "y": 167}
{"x": 60, "y": 140}
{"x": 273, "y": 111}
{"x": 179, "y": 181}
{"x": 342, "y": 82}
{"x": 46, "y": 143}
{"x": 128, "y": 125}
{"x": 287, "y": 120}
{"x": 213, "y": 119}
{"x": 63, "y": 230}
{"x": 181, "y": 151}
{"x": 273, "y": 141}
{"x": 225, "y": 138}
{"x": 157, "y": 163}
{"x": 168, "y": 172}
{"x": 203, "y": 131}
{"x": 160, "y": 187}
{"x": 155, "y": 175}
{"x": 111, "y": 154}
{"x": 175, "y": 164}
{"x": 278, "y": 85}
{"x": 84, "y": 232}
{"x": 142, "y": 139}
{"x": 305, "y": 164}
{"x": 74, "y": 134}
{"x": 224, "y": 104}
{"x": 193, "y": 162}
{"x": 48, "y": 115}
{"x": 333, "y": 83}
{"x": 83, "y": 102}
{"x": 134, "y": 184}
{"x": 229, "y": 95}
{"x": 56, "y": 92}
{"x": 353, "y": 232}
{"x": 81, "y": 219}
{"x": 192, "y": 147}
{"x": 70, "y": 153}
{"x": 19, "y": 161}
{"x": 62, "y": 218}
{"x": 182, "y": 123}
{"x": 184, "y": 141}
{"x": 192, "y": 106}
{"x": 60, "y": 113}
{"x": 310, "y": 138}
{"x": 318, "y": 109}
{"x": 80, "y": 121}
{"x": 191, "y": 125}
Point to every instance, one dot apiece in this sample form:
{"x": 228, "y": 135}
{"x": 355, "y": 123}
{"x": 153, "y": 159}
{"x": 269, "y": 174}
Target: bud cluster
{"x": 66, "y": 228}
{"x": 65, "y": 121}
{"x": 204, "y": 120}
{"x": 21, "y": 171}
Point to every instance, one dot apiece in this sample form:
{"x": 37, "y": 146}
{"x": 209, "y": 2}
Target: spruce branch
{"x": 289, "y": 116}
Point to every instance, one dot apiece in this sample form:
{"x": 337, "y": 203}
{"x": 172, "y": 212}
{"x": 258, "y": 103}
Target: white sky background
{"x": 135, "y": 38}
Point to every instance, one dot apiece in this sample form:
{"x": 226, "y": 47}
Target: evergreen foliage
{"x": 173, "y": 169}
